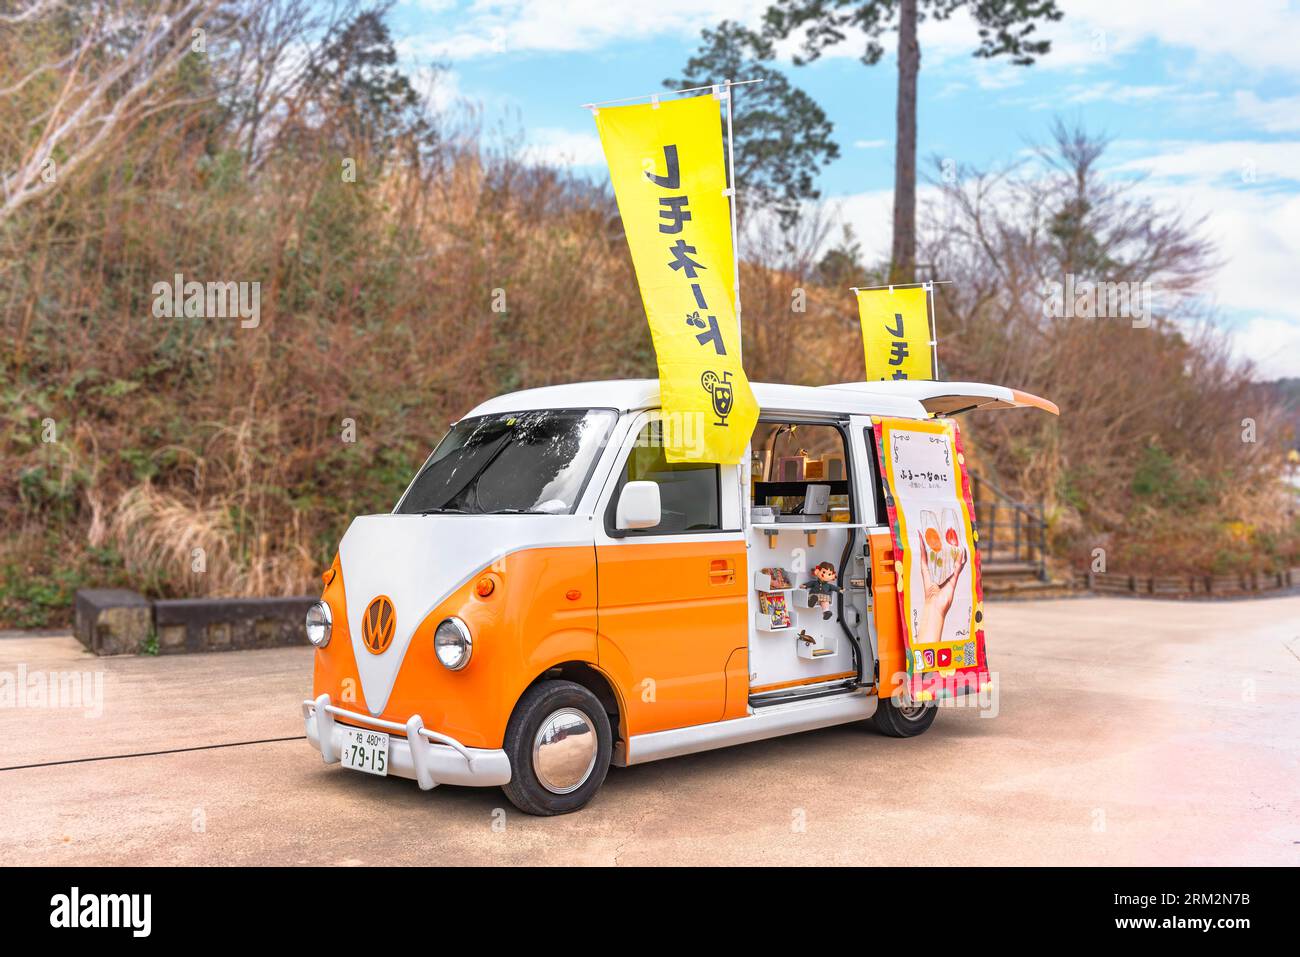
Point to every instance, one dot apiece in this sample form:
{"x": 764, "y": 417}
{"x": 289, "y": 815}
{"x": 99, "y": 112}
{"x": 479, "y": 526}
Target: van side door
{"x": 672, "y": 598}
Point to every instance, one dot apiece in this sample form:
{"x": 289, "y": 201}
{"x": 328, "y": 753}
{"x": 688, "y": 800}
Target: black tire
{"x": 539, "y": 703}
{"x": 895, "y": 722}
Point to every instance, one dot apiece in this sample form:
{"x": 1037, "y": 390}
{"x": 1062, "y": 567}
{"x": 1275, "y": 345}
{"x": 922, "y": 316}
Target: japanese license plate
{"x": 365, "y": 751}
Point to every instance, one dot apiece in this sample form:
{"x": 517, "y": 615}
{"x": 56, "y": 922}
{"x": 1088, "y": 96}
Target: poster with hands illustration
{"x": 927, "y": 493}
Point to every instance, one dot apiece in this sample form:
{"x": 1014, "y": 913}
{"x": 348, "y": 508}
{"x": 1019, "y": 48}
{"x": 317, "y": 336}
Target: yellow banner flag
{"x": 666, "y": 164}
{"x": 896, "y": 333}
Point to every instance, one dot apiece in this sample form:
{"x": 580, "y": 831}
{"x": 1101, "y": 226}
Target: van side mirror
{"x": 638, "y": 506}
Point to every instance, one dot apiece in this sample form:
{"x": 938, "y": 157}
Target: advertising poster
{"x": 927, "y": 493}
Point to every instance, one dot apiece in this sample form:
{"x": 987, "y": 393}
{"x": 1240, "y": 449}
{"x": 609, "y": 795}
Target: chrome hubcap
{"x": 564, "y": 751}
{"x": 912, "y": 712}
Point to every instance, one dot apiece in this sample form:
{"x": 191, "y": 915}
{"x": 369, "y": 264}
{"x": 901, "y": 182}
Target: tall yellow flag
{"x": 666, "y": 164}
{"x": 896, "y": 333}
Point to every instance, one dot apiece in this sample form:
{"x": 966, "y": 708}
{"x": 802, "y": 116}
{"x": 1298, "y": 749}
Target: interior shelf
{"x": 763, "y": 582}
{"x": 803, "y": 526}
{"x": 809, "y": 529}
{"x": 825, "y": 647}
{"x": 763, "y": 623}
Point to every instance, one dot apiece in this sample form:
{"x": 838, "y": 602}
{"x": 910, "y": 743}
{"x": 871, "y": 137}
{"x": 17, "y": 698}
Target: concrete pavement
{"x": 1127, "y": 732}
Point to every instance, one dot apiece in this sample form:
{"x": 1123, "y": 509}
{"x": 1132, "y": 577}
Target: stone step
{"x": 1004, "y": 569}
{"x": 1032, "y": 587}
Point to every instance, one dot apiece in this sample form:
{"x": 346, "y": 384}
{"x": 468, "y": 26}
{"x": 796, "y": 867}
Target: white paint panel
{"x": 418, "y": 561}
{"x": 633, "y": 394}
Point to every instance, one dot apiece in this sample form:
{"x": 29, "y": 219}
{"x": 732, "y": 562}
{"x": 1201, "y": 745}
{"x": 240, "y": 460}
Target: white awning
{"x": 949, "y": 398}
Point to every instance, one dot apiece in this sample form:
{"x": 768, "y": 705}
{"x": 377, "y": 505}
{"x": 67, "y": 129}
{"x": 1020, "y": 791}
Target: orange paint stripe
{"x": 1025, "y": 398}
{"x": 756, "y": 689}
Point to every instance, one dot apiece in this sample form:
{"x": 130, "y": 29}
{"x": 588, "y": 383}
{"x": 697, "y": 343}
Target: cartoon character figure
{"x": 822, "y": 587}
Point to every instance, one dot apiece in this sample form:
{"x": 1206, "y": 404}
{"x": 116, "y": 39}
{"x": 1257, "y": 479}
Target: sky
{"x": 1200, "y": 98}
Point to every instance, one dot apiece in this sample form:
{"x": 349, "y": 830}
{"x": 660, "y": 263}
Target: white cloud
{"x": 1272, "y": 344}
{"x": 440, "y": 87}
{"x": 871, "y": 214}
{"x": 1281, "y": 115}
{"x": 1257, "y": 234}
{"x": 1118, "y": 93}
{"x": 1107, "y": 91}
{"x": 869, "y": 144}
{"x": 560, "y": 147}
{"x": 1244, "y": 190}
{"x": 493, "y": 27}
{"x": 1255, "y": 33}
{"x": 1247, "y": 162}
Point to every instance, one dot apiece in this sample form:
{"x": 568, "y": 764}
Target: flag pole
{"x": 742, "y": 473}
{"x": 690, "y": 89}
{"x": 902, "y": 285}
{"x": 934, "y": 332}
{"x": 735, "y": 231}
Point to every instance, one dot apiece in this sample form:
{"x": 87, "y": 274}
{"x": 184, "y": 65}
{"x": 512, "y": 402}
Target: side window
{"x": 688, "y": 491}
{"x": 788, "y": 457}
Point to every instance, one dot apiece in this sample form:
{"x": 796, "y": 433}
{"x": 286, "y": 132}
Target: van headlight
{"x": 319, "y": 623}
{"x": 452, "y": 644}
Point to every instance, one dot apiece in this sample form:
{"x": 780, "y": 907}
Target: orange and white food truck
{"x": 551, "y": 595}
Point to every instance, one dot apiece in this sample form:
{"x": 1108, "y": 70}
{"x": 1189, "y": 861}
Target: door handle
{"x": 721, "y": 572}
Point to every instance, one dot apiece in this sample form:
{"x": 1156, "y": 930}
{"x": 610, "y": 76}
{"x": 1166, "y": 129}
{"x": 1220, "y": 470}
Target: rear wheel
{"x": 903, "y": 721}
{"x": 559, "y": 744}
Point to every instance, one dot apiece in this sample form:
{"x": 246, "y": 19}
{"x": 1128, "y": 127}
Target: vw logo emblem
{"x": 378, "y": 624}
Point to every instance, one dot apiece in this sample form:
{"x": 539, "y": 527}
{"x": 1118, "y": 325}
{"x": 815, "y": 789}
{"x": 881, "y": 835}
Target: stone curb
{"x": 115, "y": 621}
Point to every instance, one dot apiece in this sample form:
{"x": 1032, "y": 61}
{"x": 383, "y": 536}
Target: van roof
{"x": 870, "y": 398}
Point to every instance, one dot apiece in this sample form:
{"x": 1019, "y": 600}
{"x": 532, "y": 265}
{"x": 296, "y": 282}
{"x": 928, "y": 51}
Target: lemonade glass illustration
{"x": 952, "y": 538}
{"x": 933, "y": 537}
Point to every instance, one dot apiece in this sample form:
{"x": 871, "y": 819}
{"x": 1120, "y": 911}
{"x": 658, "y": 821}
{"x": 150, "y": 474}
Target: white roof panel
{"x": 628, "y": 394}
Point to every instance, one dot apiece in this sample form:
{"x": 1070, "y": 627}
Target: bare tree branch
{"x": 108, "y": 89}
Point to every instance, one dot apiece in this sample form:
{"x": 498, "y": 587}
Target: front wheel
{"x": 903, "y": 721}
{"x": 559, "y": 744}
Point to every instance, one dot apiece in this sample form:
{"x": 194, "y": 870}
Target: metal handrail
{"x": 1028, "y": 525}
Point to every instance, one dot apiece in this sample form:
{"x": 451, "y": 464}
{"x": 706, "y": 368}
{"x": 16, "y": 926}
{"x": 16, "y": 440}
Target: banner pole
{"x": 735, "y": 231}
{"x": 934, "y": 333}
{"x": 745, "y": 465}
{"x": 901, "y": 285}
{"x": 690, "y": 89}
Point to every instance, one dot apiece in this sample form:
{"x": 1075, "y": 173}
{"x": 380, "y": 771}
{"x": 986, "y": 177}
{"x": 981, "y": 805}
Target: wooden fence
{"x": 1114, "y": 583}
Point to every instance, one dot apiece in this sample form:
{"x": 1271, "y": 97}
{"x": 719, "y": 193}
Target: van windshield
{"x": 536, "y": 461}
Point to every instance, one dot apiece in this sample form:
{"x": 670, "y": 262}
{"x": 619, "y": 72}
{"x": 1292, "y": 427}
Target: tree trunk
{"x": 902, "y": 267}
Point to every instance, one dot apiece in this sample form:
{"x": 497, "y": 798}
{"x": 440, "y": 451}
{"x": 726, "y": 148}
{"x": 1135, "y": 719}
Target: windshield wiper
{"x": 440, "y": 511}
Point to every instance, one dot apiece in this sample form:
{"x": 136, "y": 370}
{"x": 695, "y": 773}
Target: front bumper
{"x": 424, "y": 756}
